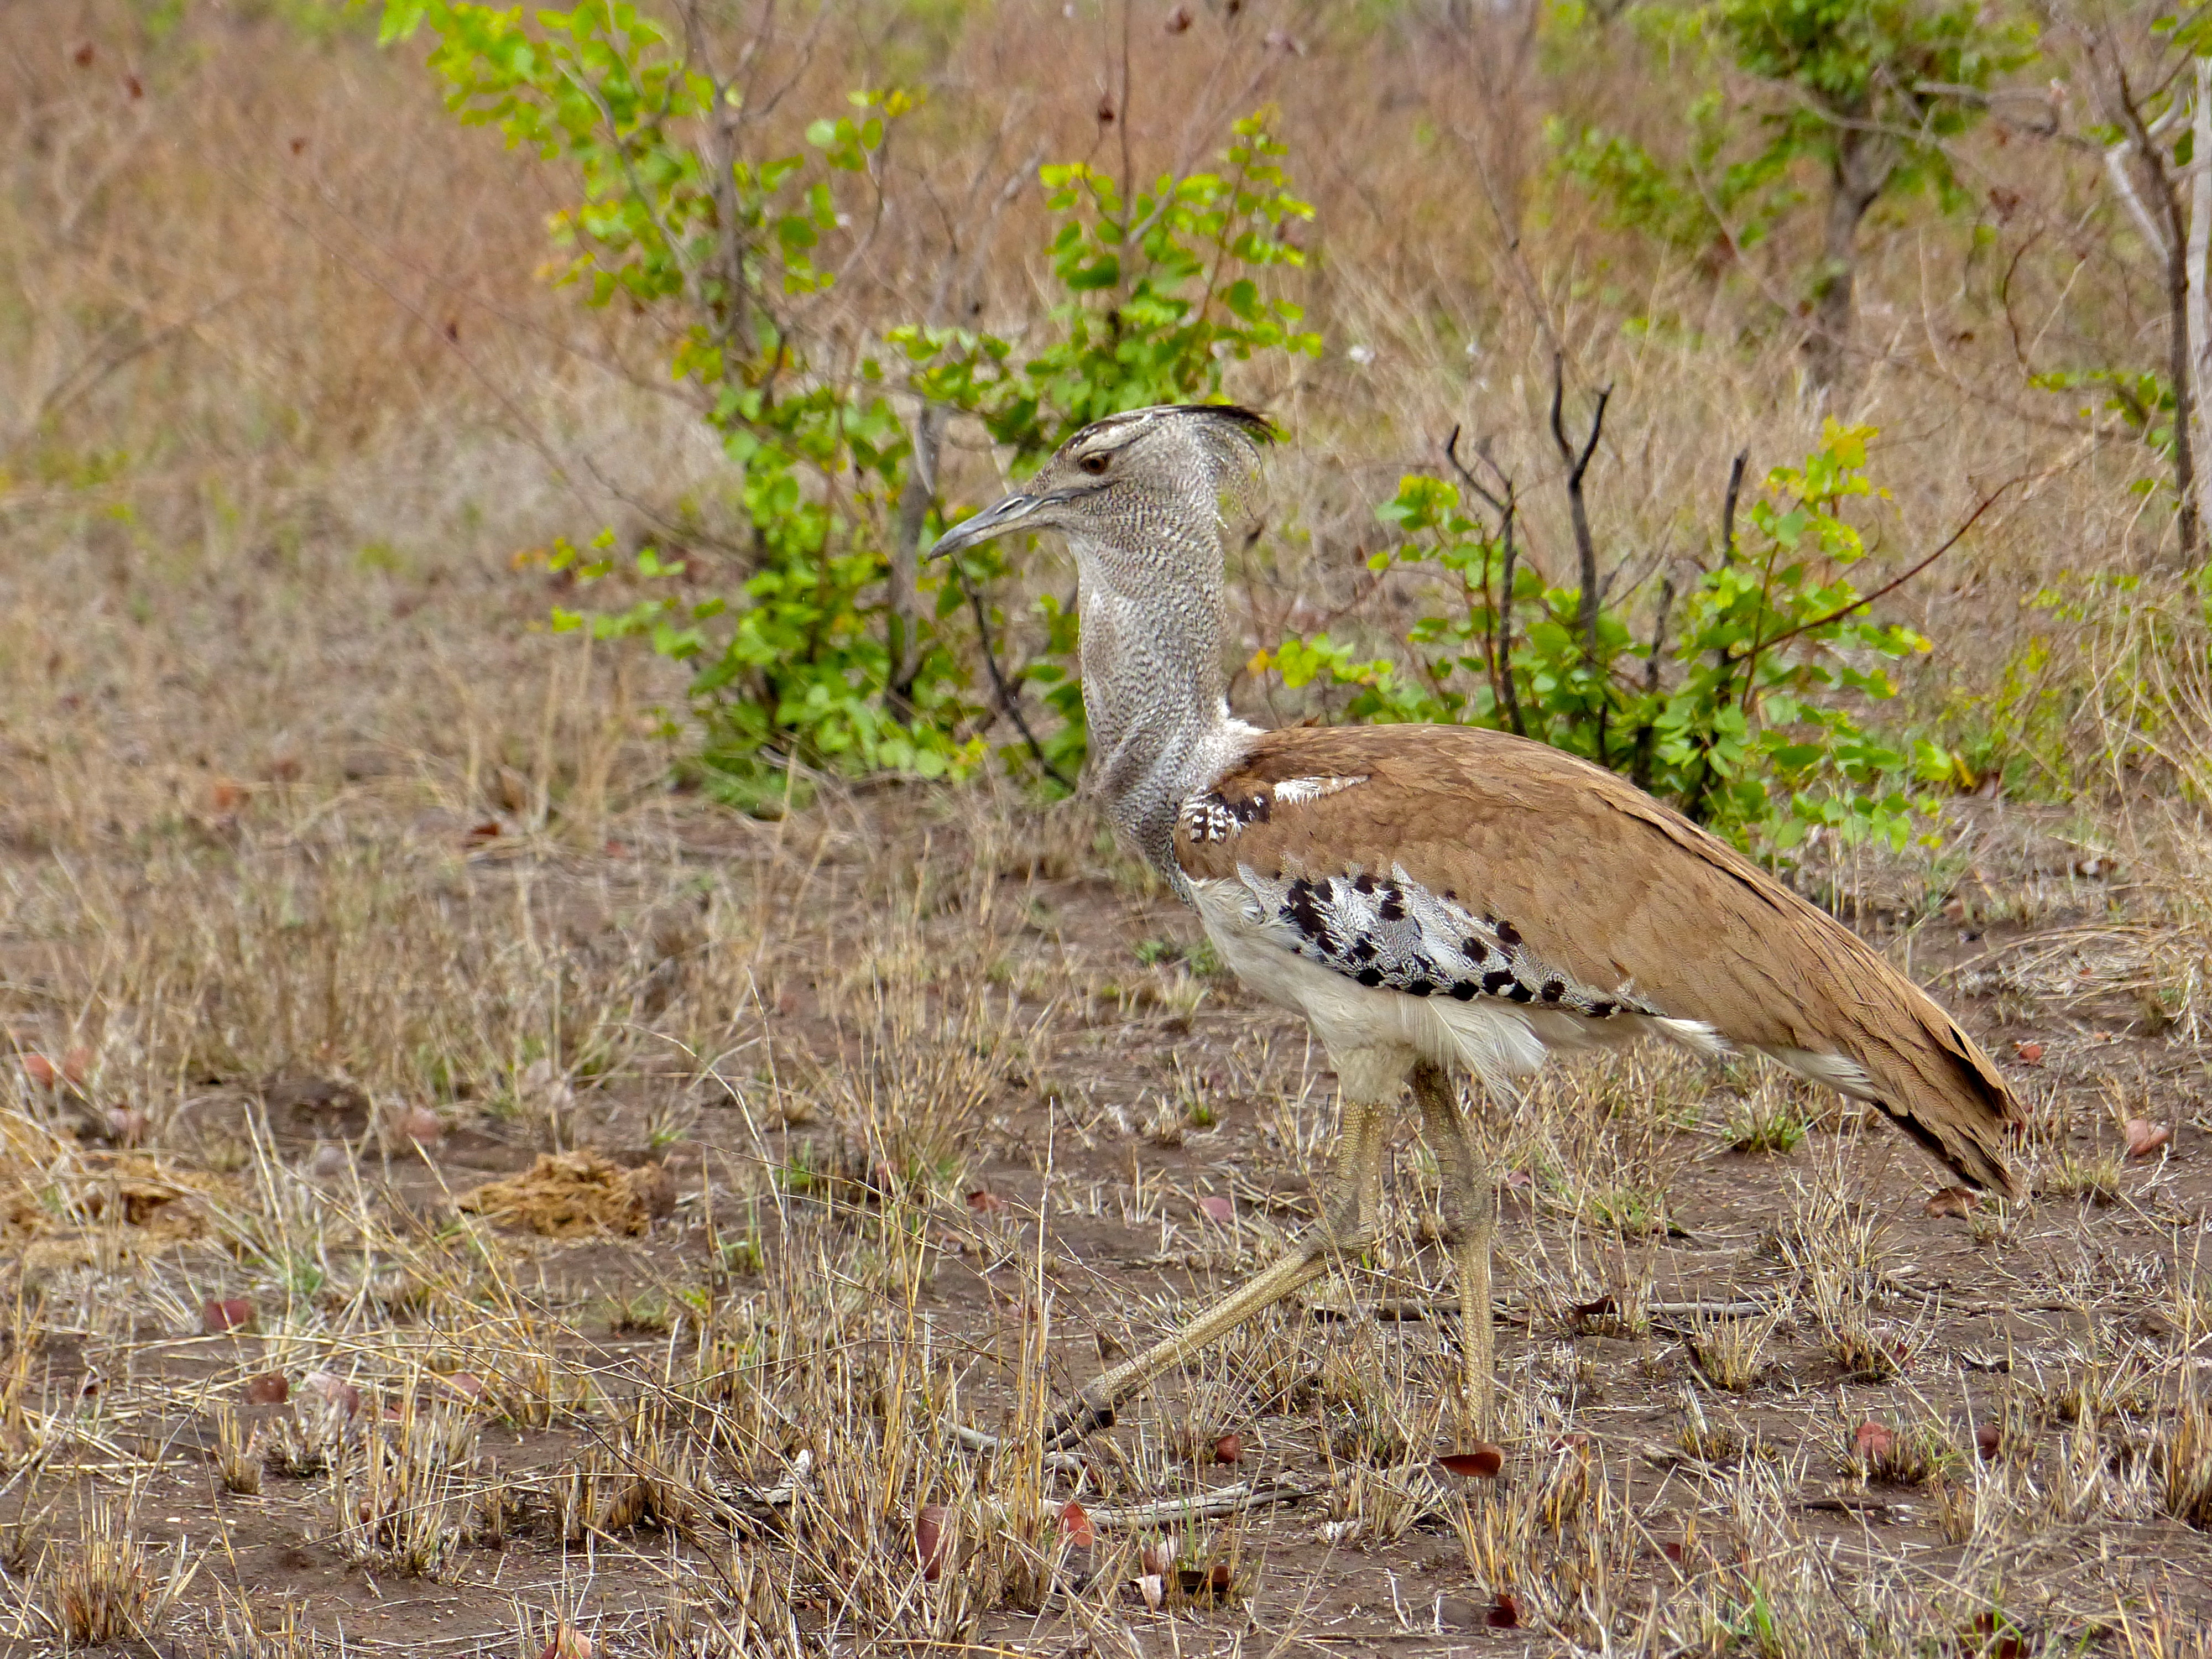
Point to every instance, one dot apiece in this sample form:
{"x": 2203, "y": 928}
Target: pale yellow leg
{"x": 1345, "y": 1228}
{"x": 1470, "y": 1207}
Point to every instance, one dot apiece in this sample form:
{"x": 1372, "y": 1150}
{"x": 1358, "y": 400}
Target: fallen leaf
{"x": 1672, "y": 1549}
{"x": 333, "y": 1391}
{"x": 985, "y": 1203}
{"x": 2145, "y": 1137}
{"x": 467, "y": 1384}
{"x": 420, "y": 1125}
{"x": 1995, "y": 1639}
{"x": 930, "y": 1543}
{"x": 1218, "y": 1208}
{"x": 269, "y": 1389}
{"x": 488, "y": 830}
{"x": 567, "y": 1643}
{"x": 1229, "y": 1449}
{"x": 1154, "y": 1588}
{"x": 2028, "y": 1053}
{"x": 232, "y": 1314}
{"x": 1483, "y": 1463}
{"x": 1157, "y": 1557}
{"x": 1954, "y": 1201}
{"x": 41, "y": 1071}
{"x": 1505, "y": 1613}
{"x": 226, "y": 795}
{"x": 83, "y": 55}
{"x": 1075, "y": 1526}
{"x": 1603, "y": 1307}
{"x": 1518, "y": 1178}
{"x": 1871, "y": 1440}
{"x": 76, "y": 1065}
{"x": 1988, "y": 1440}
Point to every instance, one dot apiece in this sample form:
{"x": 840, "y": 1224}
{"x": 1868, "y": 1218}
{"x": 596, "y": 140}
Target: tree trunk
{"x": 1861, "y": 169}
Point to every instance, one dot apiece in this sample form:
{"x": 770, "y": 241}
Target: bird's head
{"x": 1152, "y": 477}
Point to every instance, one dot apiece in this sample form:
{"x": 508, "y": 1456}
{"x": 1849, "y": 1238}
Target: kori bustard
{"x": 1434, "y": 900}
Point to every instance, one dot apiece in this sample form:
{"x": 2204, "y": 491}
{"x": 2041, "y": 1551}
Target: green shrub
{"x": 1743, "y": 713}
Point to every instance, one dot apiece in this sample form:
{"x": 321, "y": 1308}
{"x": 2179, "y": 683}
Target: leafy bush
{"x": 1742, "y": 710}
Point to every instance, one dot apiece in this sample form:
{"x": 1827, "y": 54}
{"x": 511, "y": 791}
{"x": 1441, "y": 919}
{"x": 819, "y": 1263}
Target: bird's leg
{"x": 1470, "y": 1205}
{"x": 1345, "y": 1228}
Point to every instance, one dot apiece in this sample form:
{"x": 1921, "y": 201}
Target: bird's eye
{"x": 1094, "y": 465}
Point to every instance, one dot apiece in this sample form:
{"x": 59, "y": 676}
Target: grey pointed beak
{"x": 992, "y": 522}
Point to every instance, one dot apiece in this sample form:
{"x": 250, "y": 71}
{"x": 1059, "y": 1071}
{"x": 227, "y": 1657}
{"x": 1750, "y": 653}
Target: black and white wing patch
{"x": 1391, "y": 934}
{"x": 1215, "y": 817}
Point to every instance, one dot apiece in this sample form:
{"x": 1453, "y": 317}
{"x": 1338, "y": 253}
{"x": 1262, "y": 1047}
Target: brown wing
{"x": 1612, "y": 888}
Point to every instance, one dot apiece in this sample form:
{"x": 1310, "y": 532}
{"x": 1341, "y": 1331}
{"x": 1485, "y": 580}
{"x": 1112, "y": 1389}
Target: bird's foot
{"x": 1076, "y": 1422}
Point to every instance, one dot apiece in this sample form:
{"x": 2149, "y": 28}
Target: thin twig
{"x": 1007, "y": 703}
{"x": 1891, "y": 586}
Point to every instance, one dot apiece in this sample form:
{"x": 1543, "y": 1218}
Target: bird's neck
{"x": 1154, "y": 692}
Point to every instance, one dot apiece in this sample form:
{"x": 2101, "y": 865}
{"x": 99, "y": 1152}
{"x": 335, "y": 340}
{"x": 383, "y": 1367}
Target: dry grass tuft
{"x": 107, "y": 1590}
{"x": 1730, "y": 1352}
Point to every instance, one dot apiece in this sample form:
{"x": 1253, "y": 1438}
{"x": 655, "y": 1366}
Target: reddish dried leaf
{"x": 1871, "y": 1440}
{"x": 1075, "y": 1526}
{"x": 2145, "y": 1137}
{"x": 269, "y": 1389}
{"x": 1988, "y": 1440}
{"x": 486, "y": 830}
{"x": 41, "y": 1071}
{"x": 1483, "y": 1463}
{"x": 420, "y": 1125}
{"x": 1505, "y": 1613}
{"x": 567, "y": 1643}
{"x": 1672, "y": 1549}
{"x": 985, "y": 1203}
{"x": 83, "y": 55}
{"x": 467, "y": 1384}
{"x": 930, "y": 1542}
{"x": 1993, "y": 1639}
{"x": 232, "y": 1314}
{"x": 1954, "y": 1201}
{"x": 135, "y": 87}
{"x": 2028, "y": 1053}
{"x": 1603, "y": 1307}
{"x": 1229, "y": 1449}
{"x": 1518, "y": 1178}
{"x": 226, "y": 795}
{"x": 1219, "y": 1579}
{"x": 1218, "y": 1208}
{"x": 76, "y": 1065}
{"x": 333, "y": 1391}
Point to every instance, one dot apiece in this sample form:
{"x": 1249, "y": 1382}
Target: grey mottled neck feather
{"x": 1154, "y": 689}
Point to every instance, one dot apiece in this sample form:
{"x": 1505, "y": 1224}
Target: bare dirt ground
{"x": 899, "y": 1113}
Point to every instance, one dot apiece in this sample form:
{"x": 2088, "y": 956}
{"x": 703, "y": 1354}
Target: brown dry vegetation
{"x": 337, "y": 890}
